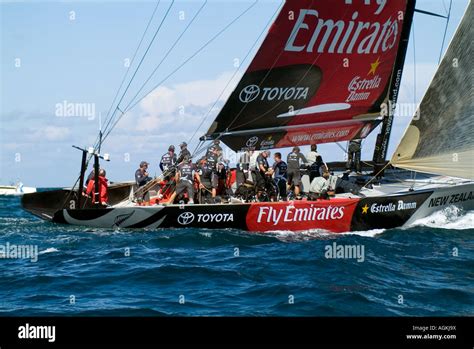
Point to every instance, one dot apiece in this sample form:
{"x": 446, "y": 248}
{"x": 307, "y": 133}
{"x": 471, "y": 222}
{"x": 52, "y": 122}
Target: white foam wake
{"x": 450, "y": 218}
{"x": 319, "y": 234}
{"x": 48, "y": 250}
{"x": 369, "y": 233}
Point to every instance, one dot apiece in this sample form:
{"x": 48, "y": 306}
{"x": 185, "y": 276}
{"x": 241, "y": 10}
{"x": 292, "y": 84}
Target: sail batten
{"x": 439, "y": 139}
{"x": 321, "y": 61}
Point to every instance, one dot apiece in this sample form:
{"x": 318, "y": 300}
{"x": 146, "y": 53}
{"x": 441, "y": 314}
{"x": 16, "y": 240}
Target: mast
{"x": 96, "y": 180}
{"x": 81, "y": 178}
{"x": 381, "y": 145}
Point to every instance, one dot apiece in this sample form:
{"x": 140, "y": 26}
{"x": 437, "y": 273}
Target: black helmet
{"x": 171, "y": 148}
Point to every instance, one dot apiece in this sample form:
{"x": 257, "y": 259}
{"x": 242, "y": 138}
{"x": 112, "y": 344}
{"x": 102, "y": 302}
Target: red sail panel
{"x": 326, "y": 134}
{"x": 321, "y": 61}
{"x": 290, "y": 136}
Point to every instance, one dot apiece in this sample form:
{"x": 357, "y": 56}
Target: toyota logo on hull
{"x": 186, "y": 218}
{"x": 249, "y": 93}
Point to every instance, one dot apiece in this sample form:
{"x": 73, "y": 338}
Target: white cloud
{"x": 51, "y": 133}
{"x": 183, "y": 105}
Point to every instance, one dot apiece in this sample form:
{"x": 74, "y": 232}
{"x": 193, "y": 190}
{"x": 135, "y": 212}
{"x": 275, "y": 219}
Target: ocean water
{"x": 425, "y": 270}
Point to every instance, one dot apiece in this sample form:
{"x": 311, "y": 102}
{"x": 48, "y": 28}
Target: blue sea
{"x": 424, "y": 270}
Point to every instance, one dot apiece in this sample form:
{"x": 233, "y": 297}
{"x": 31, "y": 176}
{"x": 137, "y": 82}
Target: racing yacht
{"x": 327, "y": 71}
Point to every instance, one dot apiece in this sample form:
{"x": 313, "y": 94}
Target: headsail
{"x": 320, "y": 75}
{"x": 440, "y": 139}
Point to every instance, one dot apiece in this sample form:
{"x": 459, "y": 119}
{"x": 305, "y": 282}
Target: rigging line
{"x": 106, "y": 120}
{"x": 235, "y": 73}
{"x": 403, "y": 181}
{"x": 445, "y": 31}
{"x": 261, "y": 82}
{"x": 167, "y": 53}
{"x": 346, "y": 151}
{"x": 141, "y": 61}
{"x": 181, "y": 65}
{"x": 197, "y": 148}
{"x": 342, "y": 148}
{"x": 414, "y": 63}
{"x": 413, "y": 173}
{"x": 199, "y": 151}
{"x": 193, "y": 55}
{"x": 131, "y": 62}
{"x": 429, "y": 13}
{"x": 444, "y": 5}
{"x": 375, "y": 176}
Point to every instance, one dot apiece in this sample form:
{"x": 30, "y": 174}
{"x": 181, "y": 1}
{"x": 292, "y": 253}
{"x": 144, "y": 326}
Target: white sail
{"x": 440, "y": 139}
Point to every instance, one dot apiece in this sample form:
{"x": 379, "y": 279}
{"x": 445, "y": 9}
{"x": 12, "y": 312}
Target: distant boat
{"x": 16, "y": 190}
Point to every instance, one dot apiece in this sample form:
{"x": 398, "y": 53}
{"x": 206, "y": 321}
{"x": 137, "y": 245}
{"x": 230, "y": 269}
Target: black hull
{"x": 341, "y": 214}
{"x": 45, "y": 204}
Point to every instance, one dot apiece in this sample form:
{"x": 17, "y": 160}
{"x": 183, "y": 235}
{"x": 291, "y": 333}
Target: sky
{"x": 61, "y": 64}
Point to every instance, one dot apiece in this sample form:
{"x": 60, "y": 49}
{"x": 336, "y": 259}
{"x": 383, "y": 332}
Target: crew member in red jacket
{"x": 103, "y": 186}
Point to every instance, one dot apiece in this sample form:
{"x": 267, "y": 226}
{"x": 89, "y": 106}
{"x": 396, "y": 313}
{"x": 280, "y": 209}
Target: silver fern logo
{"x": 121, "y": 218}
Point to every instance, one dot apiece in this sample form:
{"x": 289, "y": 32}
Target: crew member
{"x": 263, "y": 174}
{"x": 253, "y": 165}
{"x": 103, "y": 187}
{"x": 184, "y": 152}
{"x": 215, "y": 148}
{"x": 90, "y": 176}
{"x": 212, "y": 158}
{"x": 314, "y": 162}
{"x": 280, "y": 175}
{"x": 207, "y": 177}
{"x": 323, "y": 187}
{"x": 294, "y": 160}
{"x": 221, "y": 176}
{"x": 168, "y": 160}
{"x": 353, "y": 156}
{"x": 243, "y": 168}
{"x": 317, "y": 168}
{"x": 141, "y": 175}
{"x": 312, "y": 154}
{"x": 185, "y": 178}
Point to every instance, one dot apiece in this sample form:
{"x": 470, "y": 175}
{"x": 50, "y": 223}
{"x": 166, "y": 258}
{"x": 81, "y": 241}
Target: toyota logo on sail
{"x": 249, "y": 93}
{"x": 251, "y": 141}
{"x": 186, "y": 218}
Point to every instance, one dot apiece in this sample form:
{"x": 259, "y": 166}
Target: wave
{"x": 450, "y": 218}
{"x": 49, "y": 250}
{"x": 322, "y": 234}
{"x": 368, "y": 233}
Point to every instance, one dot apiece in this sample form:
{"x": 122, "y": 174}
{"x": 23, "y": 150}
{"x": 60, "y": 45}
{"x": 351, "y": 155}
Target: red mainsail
{"x": 321, "y": 75}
